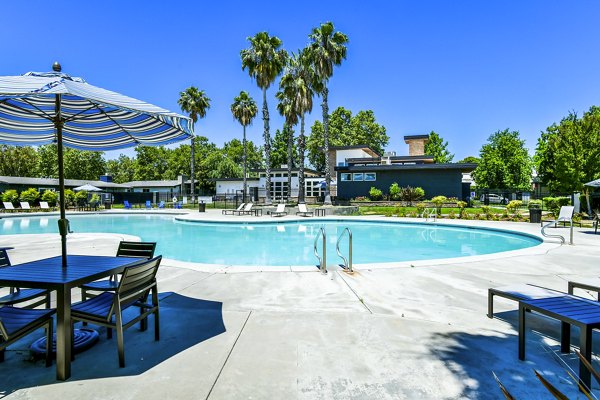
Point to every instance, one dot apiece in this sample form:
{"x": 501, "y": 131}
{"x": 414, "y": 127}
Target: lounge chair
{"x": 44, "y": 206}
{"x": 303, "y": 211}
{"x": 8, "y": 206}
{"x": 17, "y": 295}
{"x": 148, "y": 205}
{"x": 178, "y": 205}
{"x": 16, "y": 323}
{"x": 231, "y": 211}
{"x": 125, "y": 249}
{"x": 565, "y": 216}
{"x": 161, "y": 204}
{"x": 25, "y": 206}
{"x": 137, "y": 283}
{"x": 247, "y": 210}
{"x": 126, "y": 204}
{"x": 279, "y": 211}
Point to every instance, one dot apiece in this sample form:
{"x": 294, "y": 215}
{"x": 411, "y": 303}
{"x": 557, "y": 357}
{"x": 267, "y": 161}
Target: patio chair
{"x": 44, "y": 206}
{"x": 231, "y": 211}
{"x": 126, "y": 249}
{"x": 247, "y": 210}
{"x": 126, "y": 204}
{"x": 279, "y": 211}
{"x": 8, "y": 206}
{"x": 161, "y": 204}
{"x": 137, "y": 283}
{"x": 25, "y": 206}
{"x": 303, "y": 211}
{"x": 565, "y": 216}
{"x": 148, "y": 205}
{"x": 16, "y": 323}
{"x": 18, "y": 295}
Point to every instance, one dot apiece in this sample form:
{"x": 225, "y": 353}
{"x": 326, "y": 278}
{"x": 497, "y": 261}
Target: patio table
{"x": 49, "y": 274}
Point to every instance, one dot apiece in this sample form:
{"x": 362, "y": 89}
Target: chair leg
{"x": 119, "y": 328}
{"x": 156, "y": 314}
{"x": 49, "y": 337}
{"x": 2, "y": 355}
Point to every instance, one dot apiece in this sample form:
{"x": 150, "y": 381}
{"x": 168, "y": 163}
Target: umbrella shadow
{"x": 474, "y": 358}
{"x": 184, "y": 323}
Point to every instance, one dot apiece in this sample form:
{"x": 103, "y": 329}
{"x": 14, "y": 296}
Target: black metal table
{"x": 569, "y": 310}
{"x": 49, "y": 274}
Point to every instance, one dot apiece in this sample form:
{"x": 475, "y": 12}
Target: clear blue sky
{"x": 462, "y": 68}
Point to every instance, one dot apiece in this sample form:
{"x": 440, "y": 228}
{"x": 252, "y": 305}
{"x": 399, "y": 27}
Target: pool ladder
{"x": 321, "y": 234}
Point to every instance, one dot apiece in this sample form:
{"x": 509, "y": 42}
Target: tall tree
{"x": 437, "y": 148}
{"x": 469, "y": 160}
{"x": 151, "y": 163}
{"x": 279, "y": 148}
{"x": 346, "y": 129}
{"x": 327, "y": 49}
{"x": 264, "y": 60}
{"x": 568, "y": 154}
{"x": 504, "y": 163}
{"x": 244, "y": 110}
{"x": 78, "y": 164}
{"x": 121, "y": 169}
{"x": 235, "y": 151}
{"x": 287, "y": 109}
{"x": 18, "y": 161}
{"x": 194, "y": 102}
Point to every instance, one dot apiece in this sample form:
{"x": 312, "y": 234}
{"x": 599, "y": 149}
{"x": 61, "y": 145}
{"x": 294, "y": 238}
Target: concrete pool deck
{"x": 411, "y": 332}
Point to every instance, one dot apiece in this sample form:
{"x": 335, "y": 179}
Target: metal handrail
{"x": 561, "y": 237}
{"x": 428, "y": 212}
{"x": 323, "y": 260}
{"x": 347, "y": 261}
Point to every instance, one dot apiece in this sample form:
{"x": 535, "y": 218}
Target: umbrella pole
{"x": 63, "y": 223}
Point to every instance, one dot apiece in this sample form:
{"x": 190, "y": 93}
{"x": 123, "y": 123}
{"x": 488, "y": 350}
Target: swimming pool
{"x": 286, "y": 243}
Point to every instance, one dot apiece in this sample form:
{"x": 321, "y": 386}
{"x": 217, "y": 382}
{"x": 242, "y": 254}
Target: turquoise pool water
{"x": 285, "y": 243}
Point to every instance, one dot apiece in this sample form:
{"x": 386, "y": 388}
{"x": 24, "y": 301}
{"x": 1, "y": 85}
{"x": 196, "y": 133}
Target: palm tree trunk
{"x": 290, "y": 159}
{"x": 245, "y": 165}
{"x": 326, "y": 144}
{"x": 192, "y": 178}
{"x": 267, "y": 138}
{"x": 301, "y": 147}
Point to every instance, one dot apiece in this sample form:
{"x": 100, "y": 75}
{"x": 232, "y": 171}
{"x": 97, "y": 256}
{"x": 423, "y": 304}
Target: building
{"x": 358, "y": 168}
{"x": 42, "y": 184}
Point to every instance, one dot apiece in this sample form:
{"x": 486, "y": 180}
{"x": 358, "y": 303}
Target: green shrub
{"x": 50, "y": 197}
{"x": 69, "y": 197}
{"x": 513, "y": 206}
{"x": 462, "y": 205}
{"x": 411, "y": 194}
{"x": 375, "y": 194}
{"x": 10, "y": 196}
{"x": 555, "y": 203}
{"x": 534, "y": 204}
{"x": 395, "y": 191}
{"x": 452, "y": 214}
{"x": 421, "y": 208}
{"x": 438, "y": 202}
{"x": 95, "y": 199}
{"x": 487, "y": 212}
{"x": 30, "y": 195}
{"x": 81, "y": 197}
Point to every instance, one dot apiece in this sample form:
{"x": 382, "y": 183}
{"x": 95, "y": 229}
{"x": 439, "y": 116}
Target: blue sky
{"x": 462, "y": 68}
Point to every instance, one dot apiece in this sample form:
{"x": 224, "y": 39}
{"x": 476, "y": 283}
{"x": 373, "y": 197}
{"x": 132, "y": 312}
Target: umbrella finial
{"x": 56, "y": 66}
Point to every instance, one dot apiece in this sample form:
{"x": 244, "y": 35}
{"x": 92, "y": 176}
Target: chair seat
{"x": 15, "y": 319}
{"x": 96, "y": 307}
{"x": 22, "y": 296}
{"x": 105, "y": 285}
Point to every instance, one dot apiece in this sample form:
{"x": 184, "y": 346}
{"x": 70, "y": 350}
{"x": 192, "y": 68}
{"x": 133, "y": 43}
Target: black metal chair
{"x": 18, "y": 295}
{"x": 18, "y": 322}
{"x": 106, "y": 309}
{"x": 126, "y": 249}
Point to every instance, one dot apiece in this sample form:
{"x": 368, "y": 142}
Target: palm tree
{"x": 265, "y": 61}
{"x": 299, "y": 83}
{"x": 194, "y": 102}
{"x": 286, "y": 108}
{"x": 244, "y": 110}
{"x": 327, "y": 49}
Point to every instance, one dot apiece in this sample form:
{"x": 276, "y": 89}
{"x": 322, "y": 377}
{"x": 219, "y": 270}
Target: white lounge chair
{"x": 231, "y": 211}
{"x": 279, "y": 211}
{"x": 25, "y": 206}
{"x": 44, "y": 206}
{"x": 565, "y": 216}
{"x": 246, "y": 211}
{"x": 303, "y": 211}
{"x": 8, "y": 206}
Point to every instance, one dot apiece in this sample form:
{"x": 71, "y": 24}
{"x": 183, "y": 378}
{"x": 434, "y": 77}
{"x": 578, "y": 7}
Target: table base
{"x": 83, "y": 339}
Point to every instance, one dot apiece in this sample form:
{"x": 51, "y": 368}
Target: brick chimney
{"x": 416, "y": 144}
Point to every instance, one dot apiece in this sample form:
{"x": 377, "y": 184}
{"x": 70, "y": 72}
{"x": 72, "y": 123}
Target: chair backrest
{"x": 241, "y": 207}
{"x": 126, "y": 203}
{"x": 8, "y": 205}
{"x": 25, "y": 205}
{"x": 148, "y": 204}
{"x": 136, "y": 249}
{"x": 161, "y": 204}
{"x": 566, "y": 213}
{"x": 248, "y": 207}
{"x": 302, "y": 208}
{"x": 280, "y": 208}
{"x": 137, "y": 280}
{"x": 44, "y": 205}
{"x": 4, "y": 260}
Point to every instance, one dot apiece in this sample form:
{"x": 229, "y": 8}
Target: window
{"x": 370, "y": 176}
{"x": 345, "y": 177}
{"x": 358, "y": 177}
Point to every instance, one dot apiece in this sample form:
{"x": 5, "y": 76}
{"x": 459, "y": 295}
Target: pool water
{"x": 286, "y": 243}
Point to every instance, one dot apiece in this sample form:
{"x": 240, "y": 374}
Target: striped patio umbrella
{"x": 52, "y": 107}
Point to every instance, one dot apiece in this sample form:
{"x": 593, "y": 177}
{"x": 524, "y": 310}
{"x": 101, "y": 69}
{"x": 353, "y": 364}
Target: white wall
{"x": 342, "y": 155}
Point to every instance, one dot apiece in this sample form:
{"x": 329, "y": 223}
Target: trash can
{"x": 535, "y": 215}
{"x": 107, "y": 205}
{"x": 202, "y": 206}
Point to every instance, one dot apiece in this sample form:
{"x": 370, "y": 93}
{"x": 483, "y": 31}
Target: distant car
{"x": 494, "y": 198}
